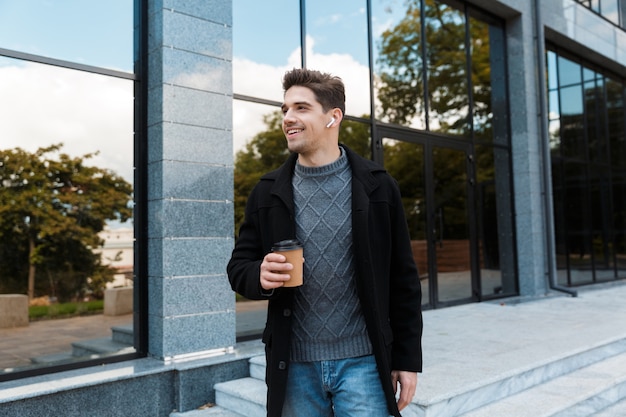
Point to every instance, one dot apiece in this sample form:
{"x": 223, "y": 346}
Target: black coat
{"x": 387, "y": 282}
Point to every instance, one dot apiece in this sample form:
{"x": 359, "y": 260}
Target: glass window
{"x": 448, "y": 93}
{"x": 405, "y": 162}
{"x": 337, "y": 42}
{"x": 569, "y": 72}
{"x": 266, "y": 43}
{"x": 577, "y": 217}
{"x": 619, "y": 220}
{"x": 398, "y": 64}
{"x": 615, "y": 93}
{"x": 481, "y": 57}
{"x": 66, "y": 182}
{"x": 587, "y": 124}
{"x": 95, "y": 33}
{"x": 572, "y": 122}
{"x": 610, "y": 10}
{"x": 495, "y": 226}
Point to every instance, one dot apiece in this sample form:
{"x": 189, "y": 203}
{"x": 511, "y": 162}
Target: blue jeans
{"x": 343, "y": 388}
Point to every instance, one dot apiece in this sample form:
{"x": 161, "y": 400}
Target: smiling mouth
{"x": 293, "y": 131}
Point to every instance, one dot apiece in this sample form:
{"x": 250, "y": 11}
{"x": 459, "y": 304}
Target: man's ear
{"x": 337, "y": 114}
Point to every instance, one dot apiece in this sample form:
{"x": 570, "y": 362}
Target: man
{"x": 342, "y": 342}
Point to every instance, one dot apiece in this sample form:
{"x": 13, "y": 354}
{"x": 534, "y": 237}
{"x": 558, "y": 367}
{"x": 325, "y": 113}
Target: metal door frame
{"x": 430, "y": 141}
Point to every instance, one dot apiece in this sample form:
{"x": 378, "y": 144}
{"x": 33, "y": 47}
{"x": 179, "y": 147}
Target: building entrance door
{"x": 436, "y": 182}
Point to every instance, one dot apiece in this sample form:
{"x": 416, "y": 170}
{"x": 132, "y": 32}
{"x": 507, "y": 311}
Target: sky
{"x": 42, "y": 104}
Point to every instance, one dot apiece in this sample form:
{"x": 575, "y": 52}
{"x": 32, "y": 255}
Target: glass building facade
{"x": 502, "y": 121}
{"x": 587, "y": 143}
{"x": 426, "y": 97}
{"x": 67, "y": 106}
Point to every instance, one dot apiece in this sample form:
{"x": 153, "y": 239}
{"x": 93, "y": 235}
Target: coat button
{"x": 282, "y": 365}
{"x": 287, "y": 312}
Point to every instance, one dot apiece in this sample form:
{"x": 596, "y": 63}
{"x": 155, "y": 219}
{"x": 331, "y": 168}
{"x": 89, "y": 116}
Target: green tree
{"x": 268, "y": 150}
{"x": 52, "y": 207}
{"x": 403, "y": 69}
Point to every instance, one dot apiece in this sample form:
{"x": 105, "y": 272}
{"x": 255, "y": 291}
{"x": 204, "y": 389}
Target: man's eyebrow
{"x": 297, "y": 103}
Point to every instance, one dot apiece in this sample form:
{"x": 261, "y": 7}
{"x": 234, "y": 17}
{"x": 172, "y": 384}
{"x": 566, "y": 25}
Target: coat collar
{"x": 363, "y": 176}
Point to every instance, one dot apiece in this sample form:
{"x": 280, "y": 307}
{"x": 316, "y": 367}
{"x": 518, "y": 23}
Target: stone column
{"x": 190, "y": 177}
{"x": 527, "y": 157}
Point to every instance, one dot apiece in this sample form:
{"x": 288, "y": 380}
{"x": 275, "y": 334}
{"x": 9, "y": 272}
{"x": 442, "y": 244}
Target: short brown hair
{"x": 328, "y": 89}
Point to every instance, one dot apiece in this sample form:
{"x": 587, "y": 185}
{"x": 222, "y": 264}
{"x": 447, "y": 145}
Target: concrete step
{"x": 246, "y": 396}
{"x": 55, "y": 359}
{"x": 102, "y": 346}
{"x": 510, "y": 382}
{"x": 586, "y": 381}
{"x": 257, "y": 367}
{"x": 123, "y": 334}
{"x": 580, "y": 393}
{"x": 616, "y": 410}
{"x": 207, "y": 412}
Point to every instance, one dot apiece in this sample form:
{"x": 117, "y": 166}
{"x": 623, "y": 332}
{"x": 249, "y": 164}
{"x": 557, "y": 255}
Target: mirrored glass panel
{"x": 448, "y": 92}
{"x": 405, "y": 162}
{"x": 66, "y": 189}
{"x": 266, "y": 43}
{"x": 577, "y": 217}
{"x": 619, "y": 220}
{"x": 337, "y": 43}
{"x": 493, "y": 201}
{"x": 601, "y": 213}
{"x": 398, "y": 63}
{"x": 98, "y": 33}
{"x": 615, "y": 98}
{"x": 482, "y": 111}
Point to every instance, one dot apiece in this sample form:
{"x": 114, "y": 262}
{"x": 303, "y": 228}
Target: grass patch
{"x": 63, "y": 310}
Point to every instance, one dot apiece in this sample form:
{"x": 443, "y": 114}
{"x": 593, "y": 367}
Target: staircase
{"x": 121, "y": 341}
{"x": 585, "y": 383}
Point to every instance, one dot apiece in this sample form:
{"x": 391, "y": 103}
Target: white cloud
{"x": 261, "y": 80}
{"x": 42, "y": 105}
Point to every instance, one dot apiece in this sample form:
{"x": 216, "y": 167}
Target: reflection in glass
{"x": 569, "y": 72}
{"x": 572, "y": 122}
{"x": 448, "y": 93}
{"x": 337, "y": 43}
{"x": 560, "y": 226}
{"x": 398, "y": 64}
{"x": 67, "y": 146}
{"x": 495, "y": 227}
{"x": 619, "y": 220}
{"x": 615, "y": 98}
{"x": 587, "y": 173}
{"x": 93, "y": 33}
{"x": 578, "y": 225}
{"x": 481, "y": 80}
{"x": 600, "y": 193}
{"x": 451, "y": 215}
{"x": 610, "y": 10}
{"x": 405, "y": 162}
{"x": 266, "y": 43}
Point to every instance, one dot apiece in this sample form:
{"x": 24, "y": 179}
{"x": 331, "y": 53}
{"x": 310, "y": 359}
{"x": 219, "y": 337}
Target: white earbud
{"x": 332, "y": 120}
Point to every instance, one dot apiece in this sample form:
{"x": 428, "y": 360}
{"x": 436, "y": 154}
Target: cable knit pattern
{"x": 328, "y": 323}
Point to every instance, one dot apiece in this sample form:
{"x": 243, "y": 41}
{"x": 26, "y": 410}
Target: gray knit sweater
{"x": 328, "y": 323}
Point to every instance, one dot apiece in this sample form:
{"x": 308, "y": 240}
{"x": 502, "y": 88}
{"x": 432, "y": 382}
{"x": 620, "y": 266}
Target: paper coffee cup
{"x": 292, "y": 250}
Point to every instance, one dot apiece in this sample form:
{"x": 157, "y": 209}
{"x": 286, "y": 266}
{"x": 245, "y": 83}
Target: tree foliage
{"x": 404, "y": 70}
{"x": 52, "y": 207}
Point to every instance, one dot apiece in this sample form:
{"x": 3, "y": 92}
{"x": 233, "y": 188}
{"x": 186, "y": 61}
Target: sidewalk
{"x": 46, "y": 337}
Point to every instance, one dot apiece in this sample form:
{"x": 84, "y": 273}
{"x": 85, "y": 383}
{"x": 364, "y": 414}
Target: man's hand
{"x": 272, "y": 268}
{"x": 408, "y": 383}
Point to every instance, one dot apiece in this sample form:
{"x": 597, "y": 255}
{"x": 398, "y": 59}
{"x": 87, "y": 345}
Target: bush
{"x": 63, "y": 310}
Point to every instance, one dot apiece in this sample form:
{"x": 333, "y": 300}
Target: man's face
{"x": 304, "y": 121}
